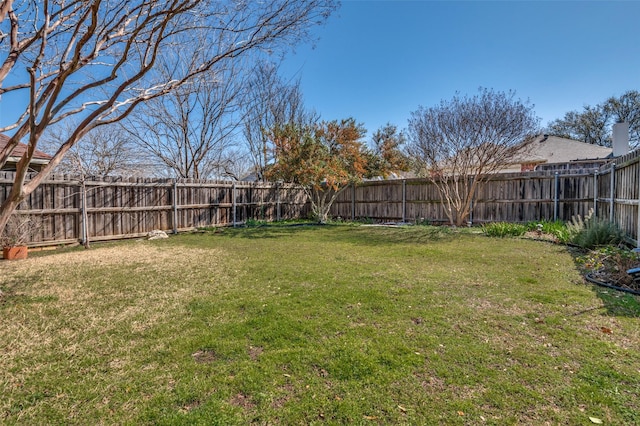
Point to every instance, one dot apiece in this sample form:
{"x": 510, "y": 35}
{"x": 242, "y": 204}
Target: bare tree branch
{"x": 191, "y": 129}
{"x": 95, "y": 61}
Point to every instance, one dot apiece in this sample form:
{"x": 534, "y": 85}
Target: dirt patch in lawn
{"x": 243, "y": 401}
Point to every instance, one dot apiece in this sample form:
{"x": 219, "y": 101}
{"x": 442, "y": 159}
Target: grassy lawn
{"x": 300, "y": 325}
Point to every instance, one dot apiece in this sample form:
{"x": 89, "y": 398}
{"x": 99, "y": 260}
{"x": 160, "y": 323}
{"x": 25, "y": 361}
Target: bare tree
{"x": 270, "y": 103}
{"x": 594, "y": 123}
{"x": 191, "y": 130}
{"x": 95, "y": 60}
{"x": 235, "y": 164}
{"x": 589, "y": 126}
{"x": 104, "y": 151}
{"x": 626, "y": 108}
{"x": 459, "y": 143}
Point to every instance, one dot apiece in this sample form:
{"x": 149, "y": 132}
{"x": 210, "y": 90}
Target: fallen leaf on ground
{"x": 595, "y": 420}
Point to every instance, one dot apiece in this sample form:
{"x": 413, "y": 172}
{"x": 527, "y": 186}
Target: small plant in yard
{"x": 18, "y": 231}
{"x": 577, "y": 224}
{"x": 364, "y": 220}
{"x": 255, "y": 223}
{"x": 556, "y": 228}
{"x": 598, "y": 233}
{"x": 592, "y": 232}
{"x": 423, "y": 222}
{"x": 504, "y": 229}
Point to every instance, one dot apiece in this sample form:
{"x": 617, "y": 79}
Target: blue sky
{"x": 377, "y": 61}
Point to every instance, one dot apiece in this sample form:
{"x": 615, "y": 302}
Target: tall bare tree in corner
{"x": 459, "y": 143}
{"x": 270, "y": 103}
{"x": 626, "y": 108}
{"x": 591, "y": 125}
{"x": 95, "y": 60}
{"x": 191, "y": 130}
{"x": 594, "y": 123}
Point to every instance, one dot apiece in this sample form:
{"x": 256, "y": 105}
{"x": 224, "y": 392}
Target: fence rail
{"x": 71, "y": 210}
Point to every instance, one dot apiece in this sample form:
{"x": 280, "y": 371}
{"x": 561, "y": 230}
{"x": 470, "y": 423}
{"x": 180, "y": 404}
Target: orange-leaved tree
{"x": 324, "y": 159}
{"x": 387, "y": 156}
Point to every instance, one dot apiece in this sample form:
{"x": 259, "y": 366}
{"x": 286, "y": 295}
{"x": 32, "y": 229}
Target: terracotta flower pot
{"x": 15, "y": 253}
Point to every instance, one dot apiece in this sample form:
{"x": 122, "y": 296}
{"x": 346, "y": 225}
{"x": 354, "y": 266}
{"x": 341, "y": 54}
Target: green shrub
{"x": 423, "y": 222}
{"x": 255, "y": 223}
{"x": 504, "y": 229}
{"x": 598, "y": 233}
{"x": 365, "y": 220}
{"x": 557, "y": 228}
{"x": 562, "y": 234}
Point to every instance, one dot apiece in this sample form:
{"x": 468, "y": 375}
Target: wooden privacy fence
{"x": 520, "y": 197}
{"x": 612, "y": 191}
{"x": 71, "y": 210}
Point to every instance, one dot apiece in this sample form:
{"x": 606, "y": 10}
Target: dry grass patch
{"x": 92, "y": 312}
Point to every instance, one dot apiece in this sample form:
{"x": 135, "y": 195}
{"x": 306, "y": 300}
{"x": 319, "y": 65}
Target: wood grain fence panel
{"x": 59, "y": 226}
{"x": 627, "y": 195}
{"x": 511, "y": 197}
{"x": 604, "y": 193}
{"x": 575, "y": 196}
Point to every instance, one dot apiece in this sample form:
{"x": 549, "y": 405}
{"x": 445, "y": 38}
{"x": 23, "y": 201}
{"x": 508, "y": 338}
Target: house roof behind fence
{"x": 554, "y": 149}
{"x": 21, "y": 148}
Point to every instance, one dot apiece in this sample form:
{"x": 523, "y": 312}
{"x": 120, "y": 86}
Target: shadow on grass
{"x": 13, "y": 291}
{"x": 375, "y": 235}
{"x": 270, "y": 230}
{"x": 347, "y": 233}
{"x": 618, "y": 303}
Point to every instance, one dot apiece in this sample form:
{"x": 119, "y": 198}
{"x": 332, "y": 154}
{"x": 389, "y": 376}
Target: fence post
{"x": 84, "y": 217}
{"x": 233, "y": 202}
{"x": 556, "y": 194}
{"x": 353, "y": 201}
{"x": 404, "y": 200}
{"x": 278, "y": 189}
{"x": 612, "y": 192}
{"x": 638, "y": 224}
{"x": 175, "y": 206}
{"x": 595, "y": 193}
